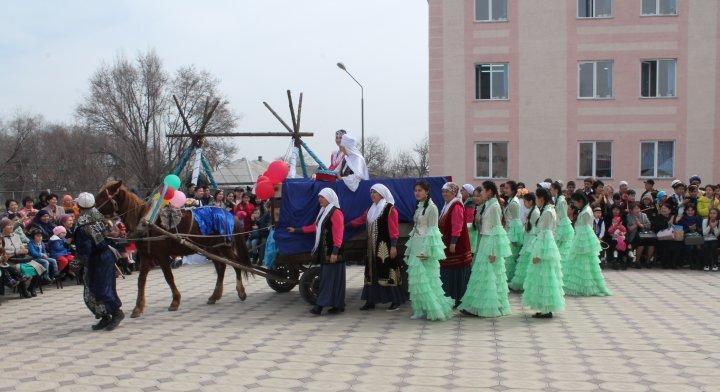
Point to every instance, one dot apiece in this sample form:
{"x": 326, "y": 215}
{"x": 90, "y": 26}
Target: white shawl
{"x": 458, "y": 198}
{"x": 354, "y": 159}
{"x": 377, "y": 208}
{"x": 332, "y": 199}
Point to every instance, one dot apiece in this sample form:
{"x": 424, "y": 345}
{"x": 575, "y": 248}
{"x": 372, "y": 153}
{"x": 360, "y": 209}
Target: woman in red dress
{"x": 455, "y": 269}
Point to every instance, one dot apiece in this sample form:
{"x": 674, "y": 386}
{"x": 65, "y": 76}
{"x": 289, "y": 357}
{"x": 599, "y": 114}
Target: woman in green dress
{"x": 564, "y": 231}
{"x": 525, "y": 256}
{"x": 582, "y": 274}
{"x": 425, "y": 249}
{"x": 513, "y": 226}
{"x": 543, "y": 289}
{"x": 487, "y": 291}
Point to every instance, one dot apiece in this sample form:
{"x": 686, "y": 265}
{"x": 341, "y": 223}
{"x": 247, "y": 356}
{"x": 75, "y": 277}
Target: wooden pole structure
{"x": 241, "y": 134}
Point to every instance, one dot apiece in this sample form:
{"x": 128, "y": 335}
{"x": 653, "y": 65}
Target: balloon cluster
{"x": 173, "y": 195}
{"x": 275, "y": 174}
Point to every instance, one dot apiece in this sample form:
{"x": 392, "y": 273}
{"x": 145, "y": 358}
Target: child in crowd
{"x": 59, "y": 251}
{"x": 599, "y": 229}
{"x": 39, "y": 253}
{"x": 692, "y": 225}
{"x": 617, "y": 232}
{"x": 711, "y": 231}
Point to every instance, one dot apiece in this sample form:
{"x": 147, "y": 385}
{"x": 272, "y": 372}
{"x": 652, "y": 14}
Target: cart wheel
{"x": 310, "y": 285}
{"x": 286, "y": 272}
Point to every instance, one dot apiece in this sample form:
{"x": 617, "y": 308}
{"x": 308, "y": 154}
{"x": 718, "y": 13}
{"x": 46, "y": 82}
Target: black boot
{"x": 393, "y": 307}
{"x": 335, "y": 310}
{"x": 22, "y": 290}
{"x": 117, "y": 317}
{"x": 316, "y": 310}
{"x": 368, "y": 306}
{"x": 31, "y": 287}
{"x": 102, "y": 324}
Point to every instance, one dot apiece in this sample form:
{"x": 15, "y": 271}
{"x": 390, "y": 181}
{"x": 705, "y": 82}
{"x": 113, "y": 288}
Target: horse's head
{"x": 110, "y": 197}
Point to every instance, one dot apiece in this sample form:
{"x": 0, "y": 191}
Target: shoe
{"x": 368, "y": 306}
{"x": 465, "y": 312}
{"x": 335, "y": 310}
{"x": 23, "y": 291}
{"x": 117, "y": 317}
{"x": 316, "y": 310}
{"x": 31, "y": 290}
{"x": 393, "y": 307}
{"x": 417, "y": 317}
{"x": 457, "y": 303}
{"x": 542, "y": 315}
{"x": 102, "y": 324}
{"x": 706, "y": 268}
{"x": 715, "y": 268}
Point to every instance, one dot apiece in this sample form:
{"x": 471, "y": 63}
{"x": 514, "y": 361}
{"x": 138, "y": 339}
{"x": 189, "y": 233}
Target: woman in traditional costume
{"x": 487, "y": 290}
{"x": 564, "y": 231}
{"x": 353, "y": 168}
{"x": 98, "y": 257}
{"x": 337, "y": 156}
{"x": 543, "y": 290}
{"x": 328, "y": 228}
{"x": 581, "y": 270}
{"x": 455, "y": 269}
{"x": 383, "y": 268}
{"x": 468, "y": 198}
{"x": 525, "y": 256}
{"x": 513, "y": 226}
{"x": 422, "y": 256}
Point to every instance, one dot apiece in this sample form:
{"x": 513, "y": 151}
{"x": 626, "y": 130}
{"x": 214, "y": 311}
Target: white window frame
{"x": 477, "y": 81}
{"x": 657, "y": 9}
{"x": 655, "y": 163}
{"x": 490, "y": 14}
{"x": 594, "y": 158}
{"x": 490, "y": 161}
{"x": 595, "y": 78}
{"x": 657, "y": 79}
{"x": 577, "y": 11}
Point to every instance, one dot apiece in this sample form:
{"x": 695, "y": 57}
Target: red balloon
{"x": 169, "y": 193}
{"x": 262, "y": 178}
{"x": 264, "y": 190}
{"x": 278, "y": 171}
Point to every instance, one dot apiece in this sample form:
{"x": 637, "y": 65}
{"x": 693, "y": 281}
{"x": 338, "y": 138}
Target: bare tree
{"x": 130, "y": 103}
{"x": 422, "y": 158}
{"x": 377, "y": 156}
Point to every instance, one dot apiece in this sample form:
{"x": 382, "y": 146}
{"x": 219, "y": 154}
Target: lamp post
{"x": 362, "y": 107}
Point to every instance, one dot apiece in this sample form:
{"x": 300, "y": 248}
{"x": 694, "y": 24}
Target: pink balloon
{"x": 264, "y": 190}
{"x": 277, "y": 172}
{"x": 178, "y": 199}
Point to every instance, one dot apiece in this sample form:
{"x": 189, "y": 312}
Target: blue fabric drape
{"x": 214, "y": 221}
{"x": 300, "y": 206}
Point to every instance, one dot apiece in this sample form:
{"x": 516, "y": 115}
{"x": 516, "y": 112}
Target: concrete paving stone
{"x": 674, "y": 388}
{"x": 36, "y": 386}
{"x": 623, "y": 387}
{"x": 573, "y": 386}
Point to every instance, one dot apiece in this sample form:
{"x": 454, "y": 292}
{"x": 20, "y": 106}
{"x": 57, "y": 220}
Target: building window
{"x": 490, "y": 10}
{"x": 659, "y": 7}
{"x": 491, "y": 81}
{"x": 491, "y": 160}
{"x": 594, "y": 8}
{"x": 657, "y": 159}
{"x": 595, "y": 79}
{"x": 595, "y": 159}
{"x": 658, "y": 78}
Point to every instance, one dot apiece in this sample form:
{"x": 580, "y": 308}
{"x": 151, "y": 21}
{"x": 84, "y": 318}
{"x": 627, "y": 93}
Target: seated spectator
{"x": 200, "y": 196}
{"x": 12, "y": 211}
{"x": 219, "y": 199}
{"x": 692, "y": 224}
{"x": 230, "y": 202}
{"x": 68, "y": 204}
{"x": 16, "y": 253}
{"x": 666, "y": 250}
{"x": 55, "y": 210}
{"x": 617, "y": 253}
{"x": 693, "y": 195}
{"x": 59, "y": 252}
{"x": 11, "y": 277}
{"x": 638, "y": 222}
{"x": 647, "y": 206}
{"x": 247, "y": 207}
{"x": 707, "y": 201}
{"x": 44, "y": 223}
{"x": 711, "y": 232}
{"x": 261, "y": 217}
{"x": 39, "y": 254}
{"x": 42, "y": 200}
{"x": 28, "y": 210}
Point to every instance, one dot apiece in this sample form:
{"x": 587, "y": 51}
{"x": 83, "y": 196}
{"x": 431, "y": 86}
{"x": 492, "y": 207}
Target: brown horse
{"x": 115, "y": 199}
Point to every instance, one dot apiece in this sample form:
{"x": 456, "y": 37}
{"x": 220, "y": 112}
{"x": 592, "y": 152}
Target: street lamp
{"x": 362, "y": 107}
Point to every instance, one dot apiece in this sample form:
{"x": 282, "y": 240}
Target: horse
{"x": 114, "y": 199}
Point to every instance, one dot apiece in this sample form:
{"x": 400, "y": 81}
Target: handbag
{"x": 665, "y": 235}
{"x": 694, "y": 239}
{"x": 647, "y": 235}
{"x": 678, "y": 233}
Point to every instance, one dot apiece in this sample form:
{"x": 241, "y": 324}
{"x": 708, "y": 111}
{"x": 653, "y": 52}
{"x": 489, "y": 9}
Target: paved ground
{"x": 659, "y": 332}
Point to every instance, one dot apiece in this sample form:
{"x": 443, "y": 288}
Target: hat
{"x": 597, "y": 209}
{"x": 59, "y": 230}
{"x": 86, "y": 200}
{"x": 650, "y": 181}
{"x": 469, "y": 188}
{"x": 623, "y": 183}
{"x": 676, "y": 183}
{"x": 544, "y": 184}
{"x": 694, "y": 177}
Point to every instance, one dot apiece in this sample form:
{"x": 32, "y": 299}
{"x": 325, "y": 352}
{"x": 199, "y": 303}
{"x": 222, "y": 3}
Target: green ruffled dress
{"x": 564, "y": 232}
{"x": 472, "y": 230}
{"x": 543, "y": 287}
{"x": 525, "y": 256}
{"x": 582, "y": 274}
{"x": 426, "y": 293}
{"x": 516, "y": 235}
{"x": 487, "y": 291}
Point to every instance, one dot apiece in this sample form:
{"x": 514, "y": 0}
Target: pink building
{"x": 615, "y": 89}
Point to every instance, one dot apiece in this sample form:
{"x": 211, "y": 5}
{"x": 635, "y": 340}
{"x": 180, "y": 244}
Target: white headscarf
{"x": 354, "y": 158}
{"x": 332, "y": 199}
{"x": 469, "y": 189}
{"x": 454, "y": 188}
{"x": 377, "y": 208}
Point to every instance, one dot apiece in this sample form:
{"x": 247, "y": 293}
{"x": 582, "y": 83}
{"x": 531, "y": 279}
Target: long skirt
{"x": 455, "y": 280}
{"x": 100, "y": 292}
{"x": 332, "y": 285}
{"x": 377, "y": 294}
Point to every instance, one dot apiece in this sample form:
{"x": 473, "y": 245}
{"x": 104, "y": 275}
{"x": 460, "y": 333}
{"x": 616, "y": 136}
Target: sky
{"x": 257, "y": 49}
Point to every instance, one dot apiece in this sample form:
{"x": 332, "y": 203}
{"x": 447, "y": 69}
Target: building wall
{"x": 543, "y": 120}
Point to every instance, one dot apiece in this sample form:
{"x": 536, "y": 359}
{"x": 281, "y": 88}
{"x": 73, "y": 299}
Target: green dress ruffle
{"x": 516, "y": 235}
{"x": 582, "y": 274}
{"x": 525, "y": 256}
{"x": 426, "y": 293}
{"x": 564, "y": 237}
{"x": 473, "y": 235}
{"x": 543, "y": 291}
{"x": 487, "y": 291}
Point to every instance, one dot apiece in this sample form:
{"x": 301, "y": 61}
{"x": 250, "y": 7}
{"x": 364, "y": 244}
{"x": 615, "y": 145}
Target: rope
{"x": 157, "y": 238}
